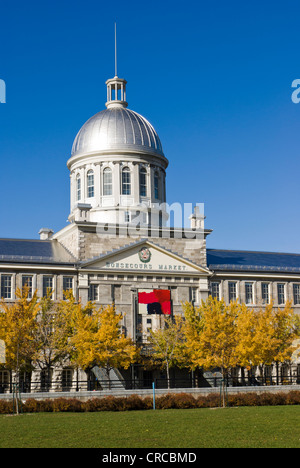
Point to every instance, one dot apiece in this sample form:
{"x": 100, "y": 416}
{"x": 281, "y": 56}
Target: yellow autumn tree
{"x": 246, "y": 348}
{"x": 17, "y": 329}
{"x": 167, "y": 344}
{"x": 98, "y": 340}
{"x": 69, "y": 314}
{"x": 212, "y": 334}
{"x": 226, "y": 336}
{"x": 286, "y": 331}
{"x": 53, "y": 331}
{"x": 275, "y": 332}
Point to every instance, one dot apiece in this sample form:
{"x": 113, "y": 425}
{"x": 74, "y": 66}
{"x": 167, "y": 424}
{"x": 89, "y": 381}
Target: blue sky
{"x": 214, "y": 78}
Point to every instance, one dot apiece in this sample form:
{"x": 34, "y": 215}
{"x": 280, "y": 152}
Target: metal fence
{"x": 213, "y": 380}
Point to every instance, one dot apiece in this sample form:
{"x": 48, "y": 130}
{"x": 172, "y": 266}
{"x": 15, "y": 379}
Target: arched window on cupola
{"x": 126, "y": 181}
{"x": 90, "y": 184}
{"x": 107, "y": 181}
{"x": 143, "y": 182}
{"x": 78, "y": 187}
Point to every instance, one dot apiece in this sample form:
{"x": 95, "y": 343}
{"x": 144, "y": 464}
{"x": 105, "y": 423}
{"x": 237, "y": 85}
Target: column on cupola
{"x": 73, "y": 190}
{"x": 116, "y": 181}
{"x": 97, "y": 182}
{"x": 83, "y": 184}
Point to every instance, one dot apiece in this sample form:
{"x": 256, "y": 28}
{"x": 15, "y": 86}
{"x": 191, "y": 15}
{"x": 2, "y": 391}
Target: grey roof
{"x": 252, "y": 261}
{"x": 34, "y": 251}
{"x": 117, "y": 129}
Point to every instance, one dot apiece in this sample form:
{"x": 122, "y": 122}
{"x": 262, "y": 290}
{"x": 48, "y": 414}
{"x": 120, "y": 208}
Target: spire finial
{"x": 116, "y": 87}
{"x": 116, "y": 70}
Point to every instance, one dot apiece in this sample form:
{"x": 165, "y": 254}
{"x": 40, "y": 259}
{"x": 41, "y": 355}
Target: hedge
{"x": 135, "y": 402}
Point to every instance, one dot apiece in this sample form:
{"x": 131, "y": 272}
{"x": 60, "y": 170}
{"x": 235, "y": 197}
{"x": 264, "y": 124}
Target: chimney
{"x": 45, "y": 234}
{"x": 197, "y": 218}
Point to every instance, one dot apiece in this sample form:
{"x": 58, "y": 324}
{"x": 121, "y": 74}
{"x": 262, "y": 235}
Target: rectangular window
{"x": 232, "y": 291}
{"x": 94, "y": 292}
{"x": 215, "y": 290}
{"x": 6, "y": 286}
{"x": 107, "y": 182}
{"x": 194, "y": 294}
{"x": 67, "y": 378}
{"x": 126, "y": 182}
{"x": 127, "y": 216}
{"x": 143, "y": 183}
{"x": 90, "y": 184}
{"x": 78, "y": 188}
{"x": 265, "y": 293}
{"x": 156, "y": 186}
{"x": 249, "y": 293}
{"x": 27, "y": 281}
{"x": 296, "y": 293}
{"x": 67, "y": 283}
{"x": 280, "y": 293}
{"x": 47, "y": 285}
{"x": 4, "y": 377}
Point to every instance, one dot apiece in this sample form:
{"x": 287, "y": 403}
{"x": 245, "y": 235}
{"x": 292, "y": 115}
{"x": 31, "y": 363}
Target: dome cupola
{"x": 117, "y": 164}
{"x": 117, "y": 128}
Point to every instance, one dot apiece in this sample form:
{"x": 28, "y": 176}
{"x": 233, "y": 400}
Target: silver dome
{"x": 117, "y": 128}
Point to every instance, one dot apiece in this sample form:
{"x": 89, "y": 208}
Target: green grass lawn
{"x": 270, "y": 426}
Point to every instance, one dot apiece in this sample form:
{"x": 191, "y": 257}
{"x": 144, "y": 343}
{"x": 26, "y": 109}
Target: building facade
{"x": 119, "y": 243}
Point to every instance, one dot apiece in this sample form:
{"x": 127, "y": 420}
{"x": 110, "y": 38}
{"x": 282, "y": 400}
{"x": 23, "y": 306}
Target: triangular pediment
{"x": 144, "y": 256}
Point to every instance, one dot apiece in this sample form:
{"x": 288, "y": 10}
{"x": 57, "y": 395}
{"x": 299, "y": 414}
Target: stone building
{"x": 119, "y": 241}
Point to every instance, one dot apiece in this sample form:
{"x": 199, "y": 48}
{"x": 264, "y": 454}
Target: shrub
{"x": 133, "y": 402}
{"x": 293, "y": 398}
{"x": 244, "y": 399}
{"x": 6, "y": 407}
{"x": 165, "y": 401}
{"x": 184, "y": 400}
{"x": 32, "y": 406}
{"x": 108, "y": 403}
{"x": 67, "y": 405}
{"x": 148, "y": 403}
{"x": 168, "y": 401}
{"x": 46, "y": 406}
{"x": 92, "y": 405}
{"x": 209, "y": 401}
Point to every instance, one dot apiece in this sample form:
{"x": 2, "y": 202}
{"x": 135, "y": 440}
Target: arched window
{"x": 143, "y": 182}
{"x": 156, "y": 186}
{"x": 78, "y": 187}
{"x": 126, "y": 181}
{"x": 107, "y": 181}
{"x": 90, "y": 184}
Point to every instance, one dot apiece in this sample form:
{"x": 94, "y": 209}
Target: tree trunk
{"x": 168, "y": 375}
{"x": 108, "y": 377}
{"x": 223, "y": 388}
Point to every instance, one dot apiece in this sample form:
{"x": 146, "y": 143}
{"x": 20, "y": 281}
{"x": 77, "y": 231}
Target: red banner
{"x": 161, "y": 296}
